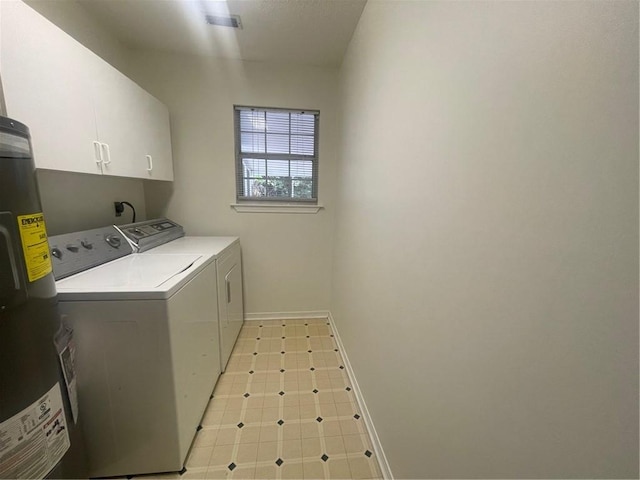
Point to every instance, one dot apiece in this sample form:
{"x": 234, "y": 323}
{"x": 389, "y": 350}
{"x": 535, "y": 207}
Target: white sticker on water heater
{"x": 34, "y": 440}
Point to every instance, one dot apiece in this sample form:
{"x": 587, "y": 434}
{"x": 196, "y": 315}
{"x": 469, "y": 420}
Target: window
{"x": 276, "y": 154}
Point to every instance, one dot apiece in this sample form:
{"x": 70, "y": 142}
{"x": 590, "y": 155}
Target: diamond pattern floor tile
{"x": 283, "y": 409}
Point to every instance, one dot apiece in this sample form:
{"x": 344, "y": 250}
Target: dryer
{"x": 162, "y": 236}
{"x": 226, "y": 254}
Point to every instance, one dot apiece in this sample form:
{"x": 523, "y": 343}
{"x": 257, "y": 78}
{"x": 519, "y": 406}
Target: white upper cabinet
{"x": 83, "y": 114}
{"x": 117, "y": 103}
{"x": 45, "y": 89}
{"x": 157, "y": 136}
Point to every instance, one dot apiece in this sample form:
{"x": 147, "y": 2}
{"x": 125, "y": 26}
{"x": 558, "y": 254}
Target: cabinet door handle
{"x": 149, "y": 163}
{"x": 105, "y": 147}
{"x": 228, "y": 290}
{"x": 97, "y": 151}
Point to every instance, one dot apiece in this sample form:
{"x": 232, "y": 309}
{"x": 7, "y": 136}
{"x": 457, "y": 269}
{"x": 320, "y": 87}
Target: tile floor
{"x": 283, "y": 409}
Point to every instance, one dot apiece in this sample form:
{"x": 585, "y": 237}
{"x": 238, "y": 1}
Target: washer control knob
{"x": 113, "y": 240}
{"x": 56, "y": 252}
{"x": 73, "y": 248}
{"x": 86, "y": 244}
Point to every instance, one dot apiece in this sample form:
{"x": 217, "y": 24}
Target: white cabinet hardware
{"x": 105, "y": 148}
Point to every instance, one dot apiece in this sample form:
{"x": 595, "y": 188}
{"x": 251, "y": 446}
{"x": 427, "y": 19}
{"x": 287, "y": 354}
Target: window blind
{"x": 276, "y": 154}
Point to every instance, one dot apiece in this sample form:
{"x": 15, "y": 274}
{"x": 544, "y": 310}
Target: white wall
{"x": 74, "y": 201}
{"x": 486, "y": 266}
{"x": 287, "y": 257}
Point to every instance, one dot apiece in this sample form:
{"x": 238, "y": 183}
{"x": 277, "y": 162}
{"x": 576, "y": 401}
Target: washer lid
{"x": 212, "y": 246}
{"x": 134, "y": 276}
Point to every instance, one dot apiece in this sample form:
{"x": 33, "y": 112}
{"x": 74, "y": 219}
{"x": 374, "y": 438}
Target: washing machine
{"x": 147, "y": 342}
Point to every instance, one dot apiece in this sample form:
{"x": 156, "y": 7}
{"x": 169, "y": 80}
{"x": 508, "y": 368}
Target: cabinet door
{"x": 48, "y": 87}
{"x": 119, "y": 106}
{"x": 156, "y": 134}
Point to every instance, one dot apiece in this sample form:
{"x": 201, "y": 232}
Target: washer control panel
{"x": 79, "y": 251}
{"x": 151, "y": 233}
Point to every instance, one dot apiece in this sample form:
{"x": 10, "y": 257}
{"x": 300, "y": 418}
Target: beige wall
{"x": 287, "y": 257}
{"x": 74, "y": 201}
{"x": 486, "y": 266}
{"x": 77, "y": 201}
{"x": 78, "y": 23}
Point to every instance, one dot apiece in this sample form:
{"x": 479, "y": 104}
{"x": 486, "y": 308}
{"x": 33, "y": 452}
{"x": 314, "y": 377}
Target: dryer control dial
{"x": 78, "y": 251}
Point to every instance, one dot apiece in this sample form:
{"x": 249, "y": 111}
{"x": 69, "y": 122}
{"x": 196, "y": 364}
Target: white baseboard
{"x": 375, "y": 440}
{"x": 252, "y": 317}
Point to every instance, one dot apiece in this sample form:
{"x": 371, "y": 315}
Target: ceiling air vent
{"x": 224, "y": 21}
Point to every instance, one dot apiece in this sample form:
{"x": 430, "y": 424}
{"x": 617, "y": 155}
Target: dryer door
{"x": 230, "y": 302}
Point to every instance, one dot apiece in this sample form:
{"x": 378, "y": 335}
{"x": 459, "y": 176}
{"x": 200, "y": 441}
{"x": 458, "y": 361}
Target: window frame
{"x": 240, "y": 156}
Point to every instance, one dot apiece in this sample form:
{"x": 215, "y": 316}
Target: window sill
{"x": 279, "y": 208}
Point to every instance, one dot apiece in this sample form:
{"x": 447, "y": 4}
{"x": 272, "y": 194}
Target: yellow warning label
{"x": 34, "y": 245}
